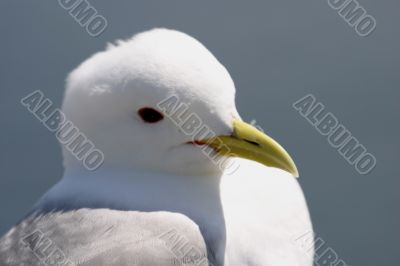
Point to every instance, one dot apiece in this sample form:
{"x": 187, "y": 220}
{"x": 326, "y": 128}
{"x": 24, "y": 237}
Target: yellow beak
{"x": 250, "y": 143}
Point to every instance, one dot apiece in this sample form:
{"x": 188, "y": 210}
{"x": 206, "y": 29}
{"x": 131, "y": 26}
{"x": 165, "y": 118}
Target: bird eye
{"x": 150, "y": 115}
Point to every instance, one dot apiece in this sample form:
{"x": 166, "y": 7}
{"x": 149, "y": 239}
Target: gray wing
{"x": 104, "y": 237}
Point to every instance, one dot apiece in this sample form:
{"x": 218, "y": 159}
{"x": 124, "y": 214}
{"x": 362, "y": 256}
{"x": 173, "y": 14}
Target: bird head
{"x": 161, "y": 102}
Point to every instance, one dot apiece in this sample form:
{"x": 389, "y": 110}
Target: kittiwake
{"x": 162, "y": 109}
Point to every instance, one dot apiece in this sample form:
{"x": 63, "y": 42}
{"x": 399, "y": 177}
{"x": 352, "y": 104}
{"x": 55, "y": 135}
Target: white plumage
{"x": 151, "y": 179}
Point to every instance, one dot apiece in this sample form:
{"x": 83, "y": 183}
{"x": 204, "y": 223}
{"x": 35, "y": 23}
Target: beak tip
{"x": 295, "y": 174}
{"x": 294, "y": 171}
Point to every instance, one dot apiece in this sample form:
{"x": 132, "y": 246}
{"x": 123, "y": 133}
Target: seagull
{"x": 185, "y": 181}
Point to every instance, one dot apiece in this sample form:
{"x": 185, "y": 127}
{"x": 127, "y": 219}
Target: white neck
{"x": 197, "y": 197}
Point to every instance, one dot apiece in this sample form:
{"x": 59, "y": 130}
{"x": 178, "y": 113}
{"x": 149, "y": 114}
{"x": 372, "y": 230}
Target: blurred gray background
{"x": 277, "y": 51}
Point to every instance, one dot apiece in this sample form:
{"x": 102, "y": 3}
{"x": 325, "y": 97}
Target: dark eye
{"x": 149, "y": 115}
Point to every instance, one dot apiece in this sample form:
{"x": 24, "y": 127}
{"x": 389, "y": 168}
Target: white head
{"x": 105, "y": 94}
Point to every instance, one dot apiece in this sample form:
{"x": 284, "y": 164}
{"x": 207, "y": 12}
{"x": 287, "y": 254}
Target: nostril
{"x": 252, "y": 142}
